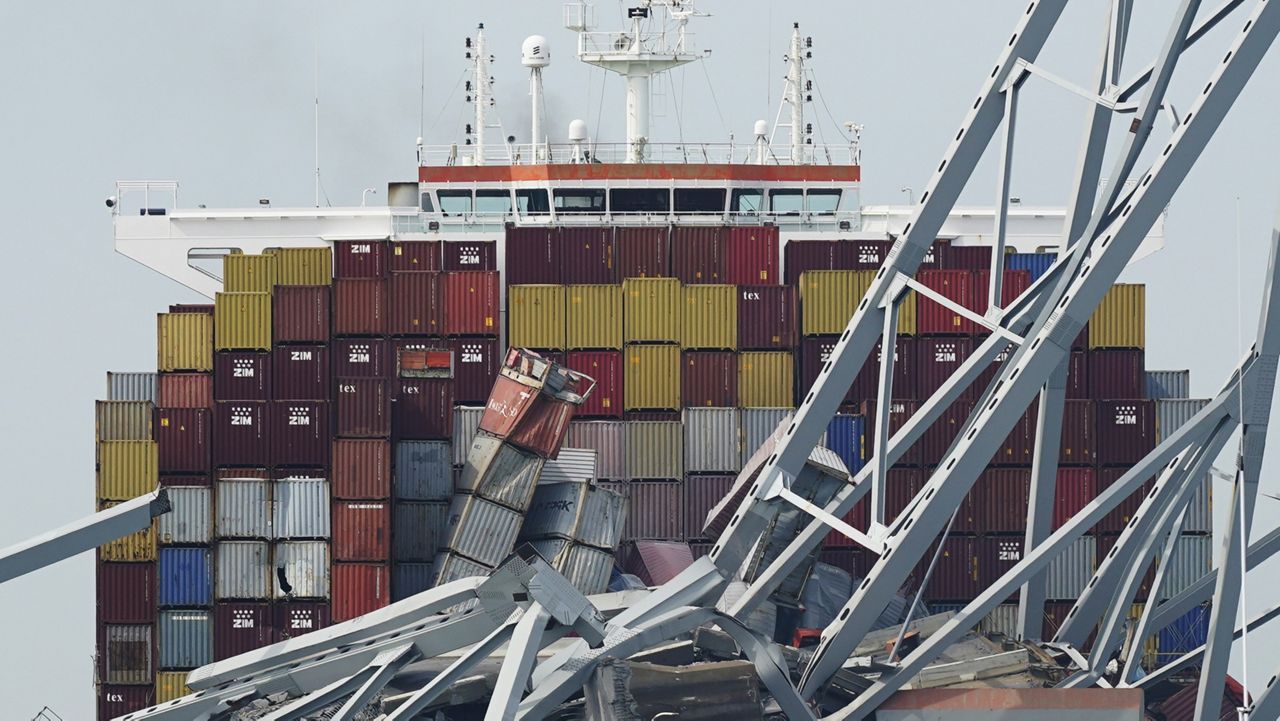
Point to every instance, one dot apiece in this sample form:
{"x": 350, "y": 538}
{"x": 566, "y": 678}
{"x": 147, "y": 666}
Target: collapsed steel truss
{"x": 526, "y": 605}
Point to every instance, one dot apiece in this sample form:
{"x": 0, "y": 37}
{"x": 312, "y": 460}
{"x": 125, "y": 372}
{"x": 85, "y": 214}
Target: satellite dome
{"x": 762, "y": 128}
{"x": 535, "y": 53}
{"x": 577, "y": 131}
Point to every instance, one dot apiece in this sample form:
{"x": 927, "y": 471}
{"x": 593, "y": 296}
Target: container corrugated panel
{"x": 125, "y": 592}
{"x": 710, "y": 317}
{"x": 757, "y": 425}
{"x": 469, "y": 255}
{"x": 955, "y": 285}
{"x": 1126, "y": 431}
{"x": 360, "y": 306}
{"x": 127, "y": 655}
{"x": 304, "y": 266}
{"x": 605, "y": 367}
{"x": 418, "y": 530}
{"x": 304, "y": 565}
{"x": 410, "y": 579}
{"x": 643, "y": 252}
{"x": 423, "y": 471}
{"x": 183, "y": 439}
{"x": 536, "y": 316}
{"x": 123, "y": 420}
{"x": 184, "y": 577}
{"x": 300, "y": 434}
{"x": 500, "y": 473}
{"x": 245, "y": 273}
{"x": 828, "y": 299}
{"x": 361, "y": 530}
{"x": 1036, "y": 264}
{"x": 593, "y": 317}
{"x": 239, "y": 376}
{"x": 242, "y": 321}
{"x": 1002, "y": 619}
{"x": 482, "y": 531}
{"x": 805, "y": 255}
{"x": 115, "y": 701}
{"x": 585, "y": 512}
{"x": 134, "y": 547}
{"x": 300, "y": 508}
{"x": 1001, "y": 495}
{"x": 184, "y": 342}
{"x": 471, "y": 303}
{"x": 360, "y": 258}
{"x": 1184, "y": 635}
{"x": 751, "y": 255}
{"x": 573, "y": 464}
{"x": 466, "y": 423}
{"x": 766, "y": 379}
{"x": 241, "y": 627}
{"x": 606, "y": 438}
{"x": 415, "y": 256}
{"x": 363, "y": 408}
{"x": 709, "y": 379}
{"x": 185, "y": 390}
{"x": 243, "y": 508}
{"x": 656, "y": 511}
{"x": 1167, "y": 385}
{"x": 475, "y": 364}
{"x": 423, "y": 410}
{"x": 295, "y": 618}
{"x": 1199, "y": 514}
{"x": 171, "y": 685}
{"x": 1069, "y": 572}
{"x": 651, "y": 378}
{"x": 651, "y": 310}
{"x": 768, "y": 317}
{"x": 1074, "y": 489}
{"x": 184, "y": 639}
{"x": 711, "y": 438}
{"x": 655, "y": 562}
{"x": 654, "y": 449}
{"x": 534, "y": 256}
{"x": 452, "y": 567}
{"x": 240, "y": 434}
{"x": 588, "y": 255}
{"x": 1172, "y": 414}
{"x": 300, "y": 314}
{"x": 127, "y": 469}
{"x": 1116, "y": 373}
{"x": 190, "y": 519}
{"x": 360, "y": 588}
{"x": 414, "y": 300}
{"x": 131, "y": 386}
{"x": 300, "y": 373}
{"x": 361, "y": 468}
{"x": 587, "y": 569}
{"x": 845, "y": 435}
{"x": 957, "y": 574}
{"x": 362, "y": 358}
{"x": 1120, "y": 321}
{"x": 701, "y": 494}
{"x": 243, "y": 569}
{"x": 1192, "y": 558}
{"x": 698, "y": 254}
{"x": 1078, "y": 444}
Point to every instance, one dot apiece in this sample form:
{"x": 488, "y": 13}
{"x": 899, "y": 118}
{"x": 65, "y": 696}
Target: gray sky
{"x": 219, "y": 96}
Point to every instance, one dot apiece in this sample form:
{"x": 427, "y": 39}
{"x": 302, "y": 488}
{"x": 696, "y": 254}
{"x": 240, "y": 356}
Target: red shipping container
{"x": 543, "y": 428}
{"x": 1117, "y": 373}
{"x": 589, "y": 256}
{"x": 508, "y": 403}
{"x": 643, "y": 252}
{"x": 803, "y": 255}
{"x": 938, "y": 438}
{"x": 1018, "y": 447}
{"x": 1074, "y": 489}
{"x": 767, "y": 317}
{"x": 475, "y": 364}
{"x": 184, "y": 390}
{"x": 1126, "y": 431}
{"x": 935, "y": 319}
{"x": 300, "y": 313}
{"x": 964, "y": 257}
{"x": 1079, "y": 434}
{"x": 751, "y": 255}
{"x": 300, "y": 434}
{"x": 423, "y": 409}
{"x": 937, "y": 359}
{"x": 116, "y": 701}
{"x": 360, "y": 306}
{"x": 979, "y": 386}
{"x": 656, "y": 511}
{"x": 300, "y": 373}
{"x": 899, "y": 413}
{"x": 851, "y": 560}
{"x": 471, "y": 305}
{"x": 223, "y": 474}
{"x": 1108, "y": 542}
{"x": 469, "y": 255}
{"x": 186, "y": 479}
{"x": 240, "y": 435}
{"x": 363, "y": 408}
{"x": 901, "y": 488}
{"x": 415, "y": 255}
{"x": 997, "y": 555}
{"x": 359, "y": 259}
{"x": 968, "y": 515}
{"x": 414, "y": 299}
{"x": 606, "y": 368}
{"x": 1119, "y": 517}
{"x": 241, "y": 627}
{"x": 183, "y": 439}
{"x": 363, "y": 358}
{"x": 533, "y": 256}
{"x": 126, "y": 592}
{"x": 701, "y": 494}
{"x": 933, "y": 256}
{"x": 295, "y": 618}
{"x": 956, "y": 576}
{"x": 359, "y": 588}
{"x": 1005, "y": 493}
{"x": 863, "y": 254}
{"x": 697, "y": 254}
{"x": 1014, "y": 284}
{"x": 242, "y": 376}
{"x": 361, "y": 530}
{"x": 815, "y": 351}
{"x": 361, "y": 469}
{"x": 859, "y": 517}
{"x": 709, "y": 379}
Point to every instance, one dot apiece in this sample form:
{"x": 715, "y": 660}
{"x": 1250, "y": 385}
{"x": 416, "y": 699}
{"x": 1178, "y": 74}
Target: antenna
{"x": 794, "y": 94}
{"x": 535, "y": 54}
{"x": 315, "y": 70}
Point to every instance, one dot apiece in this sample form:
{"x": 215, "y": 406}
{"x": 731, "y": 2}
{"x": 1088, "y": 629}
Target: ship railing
{"x": 611, "y": 153}
{"x": 146, "y": 197}
{"x": 612, "y": 44}
{"x": 406, "y": 224}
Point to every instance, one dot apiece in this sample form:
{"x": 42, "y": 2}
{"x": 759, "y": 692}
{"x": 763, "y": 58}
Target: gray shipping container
{"x": 763, "y": 620}
{"x": 573, "y": 464}
{"x": 191, "y": 518}
{"x": 481, "y": 530}
{"x": 500, "y": 473}
{"x": 1002, "y": 619}
{"x": 757, "y": 424}
{"x": 128, "y": 654}
{"x": 1172, "y": 414}
{"x": 588, "y": 569}
{"x": 408, "y": 579}
{"x": 123, "y": 420}
{"x": 300, "y": 508}
{"x": 1192, "y": 558}
{"x": 243, "y": 508}
{"x": 606, "y": 439}
{"x": 242, "y": 569}
{"x": 1069, "y": 572}
{"x": 466, "y": 422}
{"x": 583, "y": 512}
{"x": 423, "y": 471}
{"x": 305, "y": 567}
{"x": 131, "y": 387}
{"x": 418, "y": 531}
{"x": 452, "y": 567}
{"x": 654, "y": 449}
{"x": 711, "y": 438}
{"x": 185, "y": 639}
{"x": 1168, "y": 384}
{"x": 1199, "y": 515}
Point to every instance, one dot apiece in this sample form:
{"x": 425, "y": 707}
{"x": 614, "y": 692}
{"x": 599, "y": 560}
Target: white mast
{"x": 795, "y": 95}
{"x": 483, "y": 92}
{"x": 536, "y": 55}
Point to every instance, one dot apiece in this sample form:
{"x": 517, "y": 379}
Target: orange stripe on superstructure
{"x": 639, "y": 171}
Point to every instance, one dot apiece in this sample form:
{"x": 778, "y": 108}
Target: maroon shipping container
{"x": 469, "y": 255}
{"x": 300, "y": 373}
{"x": 116, "y": 701}
{"x": 363, "y": 408}
{"x": 242, "y": 376}
{"x": 589, "y": 256}
{"x": 295, "y": 618}
{"x": 859, "y": 517}
{"x": 185, "y": 479}
{"x": 979, "y": 386}
{"x": 471, "y": 305}
{"x": 198, "y": 308}
{"x": 956, "y": 576}
{"x": 1117, "y": 373}
{"x": 415, "y": 255}
{"x": 964, "y": 257}
{"x": 360, "y": 259}
{"x": 414, "y": 299}
{"x": 697, "y": 254}
{"x": 606, "y": 368}
{"x": 223, "y": 474}
{"x": 937, "y": 358}
{"x": 1126, "y": 431}
{"x": 1004, "y": 493}
{"x": 361, "y": 530}
{"x": 422, "y": 409}
{"x": 475, "y": 364}
{"x": 361, "y": 469}
{"x": 533, "y": 256}
{"x": 767, "y": 317}
{"x": 709, "y": 379}
{"x": 1018, "y": 447}
{"x": 543, "y": 427}
{"x": 938, "y": 438}
{"x": 851, "y": 560}
{"x": 899, "y": 413}
{"x": 935, "y": 319}
{"x": 1078, "y": 375}
{"x": 183, "y": 439}
{"x": 751, "y": 255}
{"x": 815, "y": 351}
{"x": 184, "y": 390}
{"x": 643, "y": 252}
{"x": 300, "y": 313}
{"x": 665, "y": 416}
{"x": 654, "y": 562}
{"x": 1014, "y": 284}
{"x": 901, "y": 486}
{"x": 363, "y": 358}
{"x": 1119, "y": 517}
{"x": 1079, "y": 434}
{"x": 1105, "y": 544}
{"x": 1074, "y": 489}
{"x": 241, "y": 627}
{"x": 996, "y": 556}
{"x": 701, "y": 494}
{"x": 803, "y": 255}
{"x": 126, "y": 592}
{"x": 359, "y": 588}
{"x": 300, "y": 434}
{"x": 360, "y": 307}
{"x": 863, "y": 254}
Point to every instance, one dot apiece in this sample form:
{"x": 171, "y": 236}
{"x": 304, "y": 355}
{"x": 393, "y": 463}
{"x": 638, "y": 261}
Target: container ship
{"x": 311, "y": 422}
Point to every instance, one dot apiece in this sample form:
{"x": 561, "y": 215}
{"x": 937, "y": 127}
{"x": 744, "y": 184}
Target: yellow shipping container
{"x": 171, "y": 685}
{"x": 304, "y": 266}
{"x": 535, "y": 316}
{"x": 242, "y": 321}
{"x": 651, "y": 309}
{"x": 766, "y": 379}
{"x": 135, "y": 547}
{"x": 184, "y": 342}
{"x": 651, "y": 379}
{"x": 594, "y": 317}
{"x": 710, "y": 317}
{"x": 828, "y": 299}
{"x": 1150, "y": 647}
{"x": 248, "y": 273}
{"x": 1121, "y": 318}
{"x": 127, "y": 469}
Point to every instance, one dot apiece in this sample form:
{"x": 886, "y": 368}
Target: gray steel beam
{"x": 1267, "y": 705}
{"x": 454, "y": 673}
{"x": 1191, "y": 658}
{"x": 361, "y": 687}
{"x": 884, "y": 401}
{"x": 1131, "y": 666}
{"x": 522, "y": 653}
{"x": 1003, "y": 177}
{"x": 1222, "y": 12}
{"x": 1202, "y": 589}
{"x": 384, "y": 668}
{"x": 771, "y": 667}
{"x": 1044, "y": 481}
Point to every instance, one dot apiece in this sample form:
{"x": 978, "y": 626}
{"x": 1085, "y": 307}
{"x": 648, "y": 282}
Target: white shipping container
{"x": 582, "y": 512}
{"x": 1069, "y": 572}
{"x": 243, "y": 568}
{"x": 711, "y": 438}
{"x": 243, "y": 506}
{"x": 757, "y": 425}
{"x": 500, "y": 473}
{"x": 1002, "y": 619}
{"x": 452, "y": 567}
{"x": 482, "y": 531}
{"x": 1199, "y": 515}
{"x": 1168, "y": 384}
{"x": 606, "y": 439}
{"x": 572, "y": 464}
{"x": 587, "y": 569}
{"x": 301, "y": 508}
{"x": 1192, "y": 558}
{"x": 131, "y": 386}
{"x": 190, "y": 519}
{"x": 466, "y": 422}
{"x": 304, "y": 566}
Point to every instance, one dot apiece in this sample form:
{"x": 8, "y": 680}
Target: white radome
{"x": 577, "y": 131}
{"x": 535, "y": 53}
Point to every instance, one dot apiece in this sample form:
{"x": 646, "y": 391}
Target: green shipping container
{"x": 242, "y": 321}
{"x": 127, "y": 469}
{"x": 766, "y": 379}
{"x": 828, "y": 299}
{"x": 651, "y": 310}
{"x": 594, "y": 317}
{"x": 651, "y": 378}
{"x": 1120, "y": 320}
{"x": 304, "y": 266}
{"x": 710, "y": 317}
{"x": 248, "y": 273}
{"x": 184, "y": 342}
{"x": 536, "y": 316}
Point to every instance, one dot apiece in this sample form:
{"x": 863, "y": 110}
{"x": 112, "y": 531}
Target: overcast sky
{"x": 219, "y": 96}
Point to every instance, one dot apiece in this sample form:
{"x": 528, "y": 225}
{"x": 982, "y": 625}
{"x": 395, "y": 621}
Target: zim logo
{"x": 242, "y": 368}
{"x": 241, "y": 416}
{"x": 361, "y": 248}
{"x": 299, "y": 416}
{"x": 469, "y": 255}
{"x": 868, "y": 254}
{"x": 299, "y": 620}
{"x": 1010, "y": 552}
{"x": 300, "y": 355}
{"x": 359, "y": 354}
{"x": 242, "y": 619}
{"x": 1126, "y": 416}
{"x": 472, "y": 353}
{"x": 945, "y": 353}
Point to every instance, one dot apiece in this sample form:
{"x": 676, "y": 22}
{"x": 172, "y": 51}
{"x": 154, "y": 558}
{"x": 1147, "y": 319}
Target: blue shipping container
{"x": 423, "y": 471}
{"x": 408, "y": 579}
{"x": 1037, "y": 264}
{"x": 845, "y": 436}
{"x": 1183, "y": 635}
{"x": 184, "y": 577}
